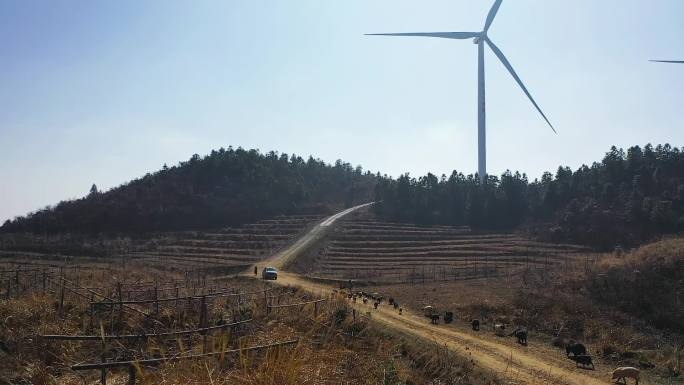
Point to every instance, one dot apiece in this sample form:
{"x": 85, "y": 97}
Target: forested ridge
{"x": 627, "y": 198}
{"x": 227, "y": 187}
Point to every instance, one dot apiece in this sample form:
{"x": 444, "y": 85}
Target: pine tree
{"x": 93, "y": 191}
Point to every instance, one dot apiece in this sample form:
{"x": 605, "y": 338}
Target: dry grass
{"x": 625, "y": 307}
{"x": 668, "y": 250}
{"x": 326, "y": 353}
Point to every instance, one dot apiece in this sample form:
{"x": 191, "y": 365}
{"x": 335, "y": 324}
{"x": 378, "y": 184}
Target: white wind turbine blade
{"x": 510, "y": 69}
{"x": 492, "y": 14}
{"x": 668, "y": 61}
{"x": 445, "y": 35}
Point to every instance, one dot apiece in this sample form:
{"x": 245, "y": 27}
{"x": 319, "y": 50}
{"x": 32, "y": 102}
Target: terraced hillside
{"x": 220, "y": 251}
{"x": 23, "y": 260}
{"x": 228, "y": 249}
{"x": 366, "y": 249}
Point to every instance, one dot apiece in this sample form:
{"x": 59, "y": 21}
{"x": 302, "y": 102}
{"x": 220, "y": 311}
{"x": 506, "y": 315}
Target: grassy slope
{"x": 626, "y": 308}
{"x": 324, "y": 357}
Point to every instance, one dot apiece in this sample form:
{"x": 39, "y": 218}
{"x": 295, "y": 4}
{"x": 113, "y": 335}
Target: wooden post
{"x": 120, "y": 295}
{"x": 44, "y": 280}
{"x": 176, "y": 302}
{"x": 203, "y": 312}
{"x": 156, "y": 300}
{"x": 92, "y": 310}
{"x": 353, "y": 315}
{"x": 103, "y": 373}
{"x": 92, "y": 314}
{"x": 203, "y": 322}
{"x": 61, "y": 301}
{"x": 131, "y": 375}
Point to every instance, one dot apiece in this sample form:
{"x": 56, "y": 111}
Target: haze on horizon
{"x": 103, "y": 92}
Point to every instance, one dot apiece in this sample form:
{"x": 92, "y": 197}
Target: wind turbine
{"x": 668, "y": 61}
{"x": 480, "y": 38}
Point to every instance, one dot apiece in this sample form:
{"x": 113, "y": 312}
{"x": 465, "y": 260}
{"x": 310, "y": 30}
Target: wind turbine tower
{"x": 480, "y": 38}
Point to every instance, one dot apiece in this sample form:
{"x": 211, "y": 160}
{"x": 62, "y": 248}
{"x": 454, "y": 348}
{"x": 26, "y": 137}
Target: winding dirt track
{"x": 516, "y": 364}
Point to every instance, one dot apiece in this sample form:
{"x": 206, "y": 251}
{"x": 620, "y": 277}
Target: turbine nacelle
{"x": 481, "y": 38}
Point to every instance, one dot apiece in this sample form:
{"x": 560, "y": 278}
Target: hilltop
{"x": 227, "y": 187}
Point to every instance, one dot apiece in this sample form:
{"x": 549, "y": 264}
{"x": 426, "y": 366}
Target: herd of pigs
{"x": 574, "y": 350}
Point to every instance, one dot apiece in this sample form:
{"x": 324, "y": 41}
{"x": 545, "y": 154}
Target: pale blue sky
{"x": 105, "y": 91}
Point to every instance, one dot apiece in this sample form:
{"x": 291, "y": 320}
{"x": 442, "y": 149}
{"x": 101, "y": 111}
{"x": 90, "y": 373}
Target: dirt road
{"x": 517, "y": 364}
{"x": 284, "y": 257}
